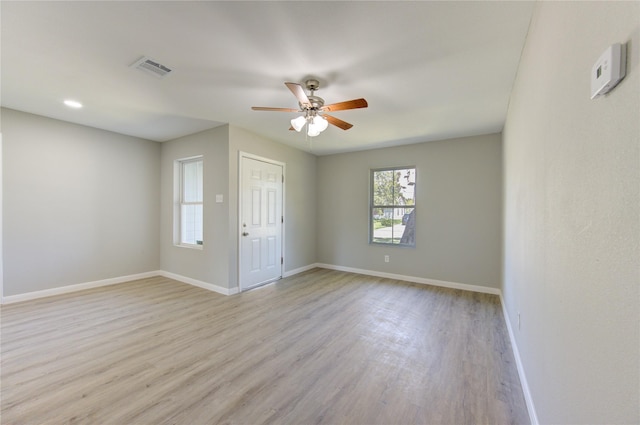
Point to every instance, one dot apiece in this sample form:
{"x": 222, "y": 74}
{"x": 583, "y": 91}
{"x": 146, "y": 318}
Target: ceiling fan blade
{"x": 338, "y": 122}
{"x": 265, "y": 108}
{"x": 299, "y": 93}
{"x": 349, "y": 104}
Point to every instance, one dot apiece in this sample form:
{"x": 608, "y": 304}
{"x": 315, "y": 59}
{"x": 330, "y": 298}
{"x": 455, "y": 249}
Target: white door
{"x": 260, "y": 222}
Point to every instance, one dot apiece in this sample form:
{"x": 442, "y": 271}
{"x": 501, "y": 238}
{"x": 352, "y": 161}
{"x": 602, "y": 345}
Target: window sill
{"x": 189, "y": 246}
{"x": 386, "y": 245}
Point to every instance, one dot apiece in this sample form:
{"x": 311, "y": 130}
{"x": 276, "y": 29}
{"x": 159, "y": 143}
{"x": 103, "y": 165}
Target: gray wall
{"x": 211, "y": 263}
{"x": 458, "y": 216}
{"x": 80, "y": 204}
{"x": 216, "y": 263}
{"x": 572, "y": 216}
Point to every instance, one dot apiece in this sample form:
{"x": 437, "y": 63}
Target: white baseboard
{"x": 105, "y": 282}
{"x": 230, "y": 291}
{"x": 199, "y": 283}
{"x": 414, "y": 279}
{"x": 77, "y": 287}
{"x": 533, "y": 417}
{"x": 300, "y": 270}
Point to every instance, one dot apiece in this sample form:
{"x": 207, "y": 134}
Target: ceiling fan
{"x": 314, "y": 111}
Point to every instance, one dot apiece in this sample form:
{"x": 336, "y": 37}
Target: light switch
{"x": 219, "y": 199}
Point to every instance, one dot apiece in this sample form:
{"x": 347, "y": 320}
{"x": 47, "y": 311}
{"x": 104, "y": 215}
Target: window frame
{"x": 179, "y": 202}
{"x": 372, "y": 206}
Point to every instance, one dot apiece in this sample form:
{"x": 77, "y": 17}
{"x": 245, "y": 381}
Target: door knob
{"x": 245, "y": 233}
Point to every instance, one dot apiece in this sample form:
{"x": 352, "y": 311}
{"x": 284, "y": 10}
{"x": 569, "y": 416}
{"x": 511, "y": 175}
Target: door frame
{"x": 241, "y": 156}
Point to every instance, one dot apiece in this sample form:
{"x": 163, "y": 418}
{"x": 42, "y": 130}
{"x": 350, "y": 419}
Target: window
{"x": 190, "y": 211}
{"x": 393, "y": 206}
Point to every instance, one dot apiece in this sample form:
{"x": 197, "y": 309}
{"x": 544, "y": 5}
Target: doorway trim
{"x": 241, "y": 156}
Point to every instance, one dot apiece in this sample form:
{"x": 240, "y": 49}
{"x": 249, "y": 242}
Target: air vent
{"x": 151, "y": 66}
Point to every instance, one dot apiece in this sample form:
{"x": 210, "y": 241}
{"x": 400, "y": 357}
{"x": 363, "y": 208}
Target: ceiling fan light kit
{"x": 313, "y": 109}
{"x": 298, "y": 123}
{"x": 316, "y": 124}
{"x": 320, "y": 122}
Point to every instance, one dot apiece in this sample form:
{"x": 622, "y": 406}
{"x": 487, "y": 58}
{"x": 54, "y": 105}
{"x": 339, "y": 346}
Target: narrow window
{"x": 393, "y": 206}
{"x": 190, "y": 201}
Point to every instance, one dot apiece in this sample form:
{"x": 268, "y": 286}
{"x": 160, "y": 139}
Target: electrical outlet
{"x": 386, "y": 258}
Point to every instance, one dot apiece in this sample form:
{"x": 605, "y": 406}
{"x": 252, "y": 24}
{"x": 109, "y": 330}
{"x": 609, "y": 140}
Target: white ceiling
{"x": 429, "y": 70}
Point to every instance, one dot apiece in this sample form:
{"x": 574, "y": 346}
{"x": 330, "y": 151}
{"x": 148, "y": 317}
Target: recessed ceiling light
{"x": 73, "y": 104}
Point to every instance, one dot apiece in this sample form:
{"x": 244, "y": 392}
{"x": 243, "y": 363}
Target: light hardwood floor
{"x": 319, "y": 347}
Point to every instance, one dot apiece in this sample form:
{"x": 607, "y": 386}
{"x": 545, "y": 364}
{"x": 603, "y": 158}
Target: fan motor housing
{"x": 316, "y": 102}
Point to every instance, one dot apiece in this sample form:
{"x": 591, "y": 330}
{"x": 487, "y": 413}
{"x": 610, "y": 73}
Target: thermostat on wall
{"x": 608, "y": 70}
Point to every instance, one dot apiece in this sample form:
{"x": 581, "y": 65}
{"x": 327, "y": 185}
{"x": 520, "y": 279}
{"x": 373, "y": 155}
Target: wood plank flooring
{"x": 321, "y": 347}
